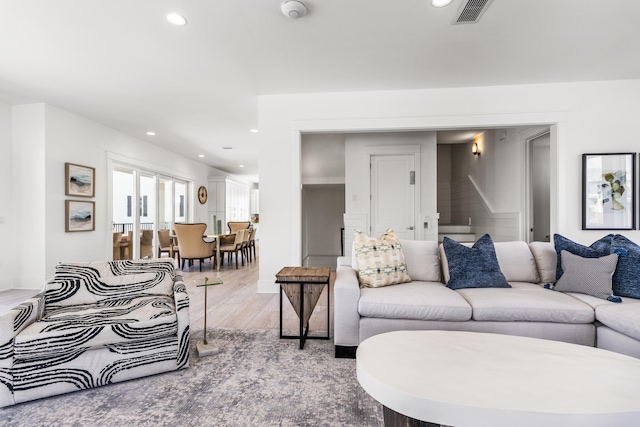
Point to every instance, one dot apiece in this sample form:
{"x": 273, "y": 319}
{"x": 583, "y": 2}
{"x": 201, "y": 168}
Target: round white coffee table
{"x": 478, "y": 379}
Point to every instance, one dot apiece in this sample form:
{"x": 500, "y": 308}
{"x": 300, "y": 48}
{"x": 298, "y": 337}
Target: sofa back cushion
{"x": 514, "y": 258}
{"x": 119, "y": 268}
{"x": 421, "y": 257}
{"x": 546, "y": 259}
{"x": 93, "y": 289}
{"x": 517, "y": 262}
{"x": 100, "y": 281}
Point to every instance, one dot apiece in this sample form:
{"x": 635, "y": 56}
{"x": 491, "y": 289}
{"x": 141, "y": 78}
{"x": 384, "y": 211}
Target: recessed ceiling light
{"x": 200, "y": 155}
{"x": 176, "y": 19}
{"x": 240, "y": 166}
{"x": 151, "y": 133}
{"x": 254, "y": 131}
{"x": 440, "y": 3}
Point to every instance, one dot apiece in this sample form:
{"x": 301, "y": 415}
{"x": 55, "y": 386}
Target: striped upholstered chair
{"x": 96, "y": 323}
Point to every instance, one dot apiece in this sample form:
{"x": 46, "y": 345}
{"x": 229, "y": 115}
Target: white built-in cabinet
{"x": 255, "y": 202}
{"x": 228, "y": 201}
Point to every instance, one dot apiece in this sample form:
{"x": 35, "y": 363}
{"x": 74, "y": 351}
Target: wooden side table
{"x": 204, "y": 348}
{"x": 296, "y": 282}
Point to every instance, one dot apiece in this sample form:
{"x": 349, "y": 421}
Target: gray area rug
{"x": 256, "y": 380}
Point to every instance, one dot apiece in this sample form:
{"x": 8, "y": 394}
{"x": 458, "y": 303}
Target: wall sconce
{"x": 475, "y": 149}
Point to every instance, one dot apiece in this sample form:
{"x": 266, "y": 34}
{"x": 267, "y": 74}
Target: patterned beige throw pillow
{"x": 380, "y": 261}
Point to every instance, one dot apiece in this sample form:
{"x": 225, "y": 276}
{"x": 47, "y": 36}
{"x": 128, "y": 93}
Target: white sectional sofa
{"x": 96, "y": 323}
{"x": 526, "y": 309}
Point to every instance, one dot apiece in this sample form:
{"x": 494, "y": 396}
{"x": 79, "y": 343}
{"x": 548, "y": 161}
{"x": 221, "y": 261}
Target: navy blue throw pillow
{"x": 598, "y": 249}
{"x": 626, "y": 279}
{"x": 473, "y": 267}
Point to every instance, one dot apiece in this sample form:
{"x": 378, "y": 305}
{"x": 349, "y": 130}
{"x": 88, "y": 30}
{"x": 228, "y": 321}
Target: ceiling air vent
{"x": 471, "y": 11}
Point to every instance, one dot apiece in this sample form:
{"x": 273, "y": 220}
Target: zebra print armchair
{"x": 96, "y": 323}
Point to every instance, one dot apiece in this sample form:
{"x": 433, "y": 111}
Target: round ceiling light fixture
{"x": 293, "y": 9}
{"x": 440, "y": 3}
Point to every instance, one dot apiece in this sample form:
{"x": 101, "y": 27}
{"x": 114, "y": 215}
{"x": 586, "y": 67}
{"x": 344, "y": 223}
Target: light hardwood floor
{"x": 234, "y": 304}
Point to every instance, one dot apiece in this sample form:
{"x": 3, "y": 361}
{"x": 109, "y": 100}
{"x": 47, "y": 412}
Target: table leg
{"x": 204, "y": 348}
{"x": 218, "y": 253}
{"x": 328, "y": 309}
{"x": 302, "y": 316}
{"x": 280, "y": 286}
{"x": 204, "y": 336}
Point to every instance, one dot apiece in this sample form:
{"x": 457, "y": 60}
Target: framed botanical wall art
{"x": 80, "y": 215}
{"x": 79, "y": 180}
{"x": 609, "y": 191}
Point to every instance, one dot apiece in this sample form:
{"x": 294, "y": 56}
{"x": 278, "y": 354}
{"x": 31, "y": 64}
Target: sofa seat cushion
{"x": 624, "y": 318}
{"x": 526, "y": 302}
{"x": 414, "y": 300}
{"x": 97, "y": 325}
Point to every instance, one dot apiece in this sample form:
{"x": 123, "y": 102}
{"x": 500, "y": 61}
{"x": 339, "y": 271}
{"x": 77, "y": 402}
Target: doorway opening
{"x": 539, "y": 179}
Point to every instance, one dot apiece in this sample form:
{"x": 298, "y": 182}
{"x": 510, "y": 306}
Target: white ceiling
{"x": 120, "y": 63}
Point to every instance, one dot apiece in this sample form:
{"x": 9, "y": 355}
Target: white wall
{"x": 43, "y": 139}
{"x": 27, "y": 223}
{"x": 589, "y": 117}
{"x": 6, "y": 251}
{"x": 322, "y": 159}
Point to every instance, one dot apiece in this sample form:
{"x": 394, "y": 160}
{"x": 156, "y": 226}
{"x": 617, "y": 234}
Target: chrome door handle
{"x": 410, "y": 227}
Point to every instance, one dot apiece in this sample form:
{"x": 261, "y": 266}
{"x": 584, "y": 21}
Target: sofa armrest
{"x": 182, "y": 312}
{"x": 346, "y": 291}
{"x": 11, "y": 323}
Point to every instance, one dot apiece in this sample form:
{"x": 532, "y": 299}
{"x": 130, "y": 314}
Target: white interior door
{"x": 393, "y": 195}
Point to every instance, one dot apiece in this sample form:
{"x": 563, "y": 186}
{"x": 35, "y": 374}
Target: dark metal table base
{"x": 303, "y": 336}
{"x": 396, "y": 419}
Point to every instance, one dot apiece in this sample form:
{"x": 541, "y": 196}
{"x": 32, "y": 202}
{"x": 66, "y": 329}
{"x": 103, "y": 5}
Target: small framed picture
{"x": 609, "y": 191}
{"x": 80, "y": 215}
{"x": 79, "y": 180}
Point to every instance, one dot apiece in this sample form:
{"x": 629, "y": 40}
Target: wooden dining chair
{"x": 252, "y": 244}
{"x": 146, "y": 244}
{"x": 117, "y": 236}
{"x": 245, "y": 245}
{"x": 126, "y": 245}
{"x": 232, "y": 248}
{"x": 238, "y": 225}
{"x": 164, "y": 245}
{"x": 192, "y": 245}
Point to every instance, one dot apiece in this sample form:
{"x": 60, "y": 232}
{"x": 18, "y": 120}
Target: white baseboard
{"x": 268, "y": 287}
